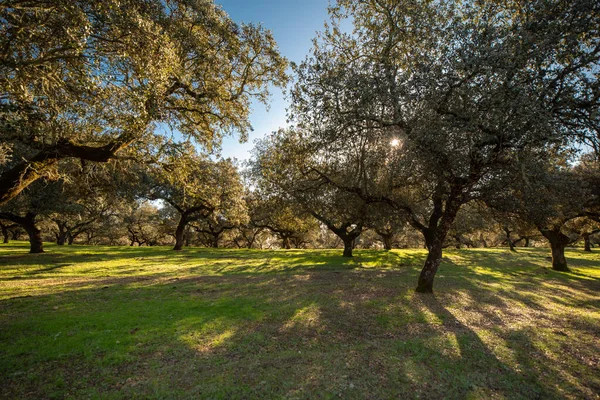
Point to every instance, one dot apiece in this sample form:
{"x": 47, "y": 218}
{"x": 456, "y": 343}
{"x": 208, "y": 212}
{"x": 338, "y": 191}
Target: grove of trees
{"x": 426, "y": 124}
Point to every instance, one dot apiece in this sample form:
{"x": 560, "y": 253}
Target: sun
{"x": 395, "y": 142}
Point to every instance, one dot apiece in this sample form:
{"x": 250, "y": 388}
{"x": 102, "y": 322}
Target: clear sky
{"x": 293, "y": 23}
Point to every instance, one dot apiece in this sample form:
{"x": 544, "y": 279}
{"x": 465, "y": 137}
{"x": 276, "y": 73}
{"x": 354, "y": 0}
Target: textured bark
{"x": 432, "y": 263}
{"x": 348, "y": 246}
{"x": 558, "y": 242}
{"x": 559, "y": 262}
{"x": 35, "y": 234}
{"x": 180, "y": 232}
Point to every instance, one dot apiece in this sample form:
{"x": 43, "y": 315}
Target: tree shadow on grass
{"x": 359, "y": 333}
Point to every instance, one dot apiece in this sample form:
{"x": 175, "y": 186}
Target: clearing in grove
{"x": 116, "y": 322}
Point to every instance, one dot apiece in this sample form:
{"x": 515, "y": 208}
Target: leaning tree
{"x": 448, "y": 99}
{"x": 87, "y": 79}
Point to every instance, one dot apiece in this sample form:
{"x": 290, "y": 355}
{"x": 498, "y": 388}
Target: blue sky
{"x": 293, "y": 23}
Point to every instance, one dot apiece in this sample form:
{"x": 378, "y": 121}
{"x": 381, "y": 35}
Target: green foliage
{"x": 87, "y": 79}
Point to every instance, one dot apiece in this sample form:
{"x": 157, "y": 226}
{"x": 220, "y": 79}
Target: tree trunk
{"x": 215, "y": 241}
{"x": 432, "y": 263}
{"x": 5, "y": 233}
{"x": 387, "y": 240}
{"x": 526, "y": 241}
{"x": 348, "y": 245}
{"x": 179, "y": 233}
{"x": 61, "y": 237}
{"x": 559, "y": 262}
{"x": 286, "y": 243}
{"x": 35, "y": 234}
{"x": 558, "y": 242}
{"x": 511, "y": 245}
{"x": 587, "y": 245}
{"x": 70, "y": 239}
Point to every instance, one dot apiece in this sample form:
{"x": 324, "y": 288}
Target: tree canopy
{"x": 87, "y": 79}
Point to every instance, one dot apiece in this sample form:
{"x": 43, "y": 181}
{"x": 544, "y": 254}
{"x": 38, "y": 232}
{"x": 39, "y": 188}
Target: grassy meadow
{"x": 119, "y": 322}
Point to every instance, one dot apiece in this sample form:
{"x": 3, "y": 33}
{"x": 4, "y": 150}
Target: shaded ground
{"x": 102, "y": 322}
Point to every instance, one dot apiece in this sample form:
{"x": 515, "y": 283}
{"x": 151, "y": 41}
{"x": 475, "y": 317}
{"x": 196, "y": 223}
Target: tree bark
{"x": 587, "y": 245}
{"x": 558, "y": 242}
{"x": 61, "y": 236}
{"x": 28, "y": 223}
{"x": 70, "y": 239}
{"x": 432, "y": 263}
{"x": 35, "y": 234}
{"x": 348, "y": 246}
{"x": 511, "y": 245}
{"x": 559, "y": 262}
{"x": 180, "y": 233}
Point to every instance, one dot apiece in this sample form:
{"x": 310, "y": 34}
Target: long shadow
{"x": 356, "y": 332}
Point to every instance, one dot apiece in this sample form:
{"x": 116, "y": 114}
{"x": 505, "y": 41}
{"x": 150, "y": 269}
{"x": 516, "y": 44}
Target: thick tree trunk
{"x": 432, "y": 263}
{"x": 559, "y": 262}
{"x": 348, "y": 246}
{"x": 61, "y": 238}
{"x": 587, "y": 245}
{"x": 179, "y": 233}
{"x": 35, "y": 234}
{"x": 558, "y": 242}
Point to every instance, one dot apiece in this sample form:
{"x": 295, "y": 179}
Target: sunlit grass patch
{"x": 103, "y": 322}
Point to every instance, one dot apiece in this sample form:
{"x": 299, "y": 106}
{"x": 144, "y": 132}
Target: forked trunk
{"x": 511, "y": 245}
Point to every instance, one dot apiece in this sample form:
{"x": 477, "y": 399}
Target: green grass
{"x": 107, "y": 322}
